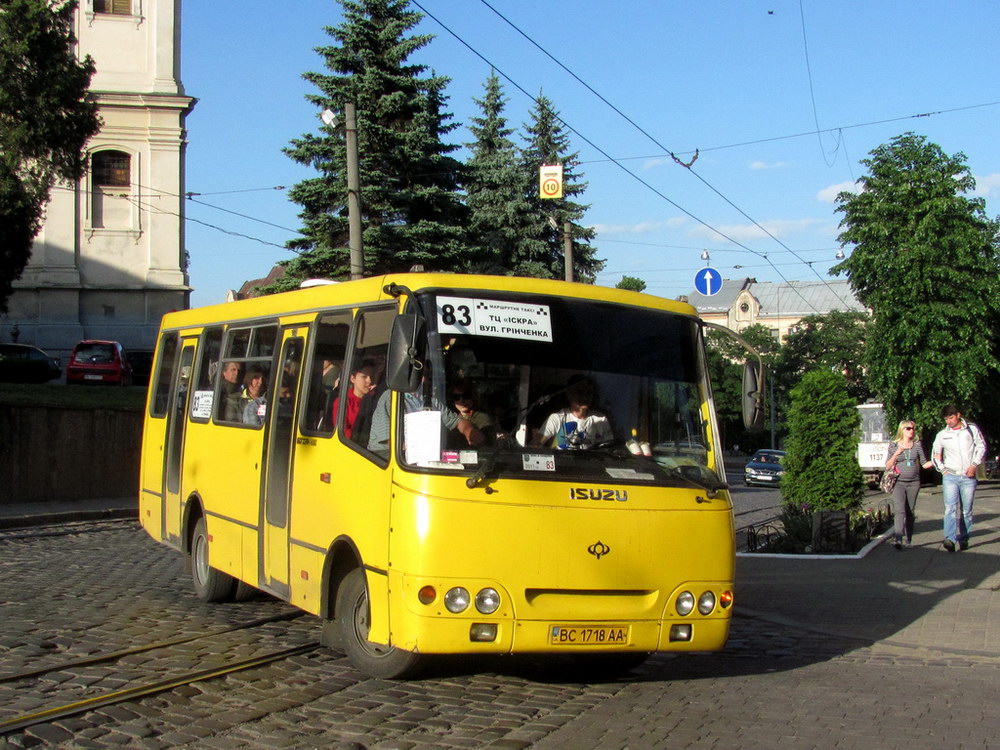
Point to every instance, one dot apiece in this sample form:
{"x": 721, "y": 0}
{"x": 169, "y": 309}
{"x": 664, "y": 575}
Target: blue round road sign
{"x": 708, "y": 281}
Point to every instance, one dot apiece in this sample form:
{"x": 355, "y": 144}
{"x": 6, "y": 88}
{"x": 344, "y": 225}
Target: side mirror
{"x": 407, "y": 346}
{"x": 753, "y": 395}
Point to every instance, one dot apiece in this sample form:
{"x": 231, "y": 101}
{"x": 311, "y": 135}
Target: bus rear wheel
{"x": 210, "y": 585}
{"x": 353, "y": 621}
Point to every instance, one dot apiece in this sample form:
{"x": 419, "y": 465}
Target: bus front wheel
{"x": 353, "y": 614}
{"x": 210, "y": 585}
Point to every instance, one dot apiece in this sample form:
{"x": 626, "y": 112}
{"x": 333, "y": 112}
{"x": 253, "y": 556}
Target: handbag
{"x": 889, "y": 478}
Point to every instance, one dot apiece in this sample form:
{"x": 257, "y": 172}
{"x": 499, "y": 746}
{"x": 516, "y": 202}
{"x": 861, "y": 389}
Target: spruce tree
{"x": 499, "y": 213}
{"x": 411, "y": 212}
{"x": 548, "y": 143}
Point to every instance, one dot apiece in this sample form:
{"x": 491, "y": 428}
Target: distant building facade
{"x": 110, "y": 258}
{"x": 777, "y": 306}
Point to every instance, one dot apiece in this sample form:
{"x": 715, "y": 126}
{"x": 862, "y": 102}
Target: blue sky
{"x": 746, "y": 83}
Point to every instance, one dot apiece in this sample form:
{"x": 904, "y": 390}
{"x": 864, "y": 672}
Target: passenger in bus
{"x": 330, "y": 374}
{"x": 463, "y": 398}
{"x": 378, "y": 440}
{"x": 254, "y": 395}
{"x": 232, "y": 409}
{"x": 578, "y": 425}
{"x": 357, "y": 414}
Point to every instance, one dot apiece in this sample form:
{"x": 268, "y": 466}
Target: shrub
{"x": 821, "y": 467}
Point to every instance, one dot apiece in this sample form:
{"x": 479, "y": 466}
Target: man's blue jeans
{"x": 959, "y": 495}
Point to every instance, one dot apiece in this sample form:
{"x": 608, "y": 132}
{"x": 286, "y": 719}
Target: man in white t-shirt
{"x": 577, "y": 426}
{"x": 957, "y": 452}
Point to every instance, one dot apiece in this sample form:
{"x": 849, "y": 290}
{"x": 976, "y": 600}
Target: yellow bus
{"x": 449, "y": 464}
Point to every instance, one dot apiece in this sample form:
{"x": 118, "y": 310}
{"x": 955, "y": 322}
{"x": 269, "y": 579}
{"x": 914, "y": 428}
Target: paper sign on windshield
{"x": 490, "y": 317}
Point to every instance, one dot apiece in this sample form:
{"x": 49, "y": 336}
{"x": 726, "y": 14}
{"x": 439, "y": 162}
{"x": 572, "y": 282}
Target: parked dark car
{"x": 764, "y": 468}
{"x": 99, "y": 362}
{"x": 141, "y": 362}
{"x": 22, "y": 363}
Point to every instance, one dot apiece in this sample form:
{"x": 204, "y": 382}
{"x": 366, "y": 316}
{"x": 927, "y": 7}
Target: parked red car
{"x": 99, "y": 362}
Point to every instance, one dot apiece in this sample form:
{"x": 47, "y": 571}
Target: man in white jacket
{"x": 957, "y": 452}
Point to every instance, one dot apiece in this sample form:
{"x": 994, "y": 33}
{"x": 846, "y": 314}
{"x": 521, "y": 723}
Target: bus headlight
{"x": 706, "y": 603}
{"x": 488, "y": 601}
{"x": 685, "y": 603}
{"x": 457, "y": 600}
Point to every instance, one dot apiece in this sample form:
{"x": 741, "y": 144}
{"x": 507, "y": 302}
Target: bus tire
{"x": 352, "y": 613}
{"x": 210, "y": 584}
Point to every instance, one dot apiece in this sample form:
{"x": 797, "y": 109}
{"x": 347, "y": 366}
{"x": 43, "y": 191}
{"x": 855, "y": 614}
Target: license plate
{"x": 576, "y": 635}
{"x": 93, "y": 377}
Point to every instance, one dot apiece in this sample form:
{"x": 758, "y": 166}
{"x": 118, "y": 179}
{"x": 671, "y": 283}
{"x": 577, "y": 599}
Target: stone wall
{"x": 59, "y": 454}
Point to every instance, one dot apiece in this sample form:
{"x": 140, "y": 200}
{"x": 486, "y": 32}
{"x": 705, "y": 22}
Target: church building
{"x": 110, "y": 258}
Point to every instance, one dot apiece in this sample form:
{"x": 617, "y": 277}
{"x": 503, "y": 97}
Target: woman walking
{"x": 906, "y": 457}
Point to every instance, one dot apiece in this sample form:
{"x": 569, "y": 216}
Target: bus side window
{"x": 208, "y": 369}
{"x": 363, "y": 381}
{"x": 325, "y": 368}
{"x": 164, "y": 374}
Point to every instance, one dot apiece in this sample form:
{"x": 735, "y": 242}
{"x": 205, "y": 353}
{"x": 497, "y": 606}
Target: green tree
{"x": 46, "y": 119}
{"x": 499, "y": 213}
{"x": 547, "y": 142}
{"x": 834, "y": 341}
{"x": 821, "y": 466}
{"x": 631, "y": 283}
{"x": 926, "y": 262}
{"x": 411, "y": 212}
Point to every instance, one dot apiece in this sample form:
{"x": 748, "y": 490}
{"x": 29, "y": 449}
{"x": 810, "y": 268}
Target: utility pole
{"x": 568, "y": 249}
{"x": 353, "y": 191}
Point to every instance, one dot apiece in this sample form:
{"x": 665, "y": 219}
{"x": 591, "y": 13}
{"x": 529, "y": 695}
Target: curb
{"x": 863, "y": 552}
{"x": 70, "y": 516}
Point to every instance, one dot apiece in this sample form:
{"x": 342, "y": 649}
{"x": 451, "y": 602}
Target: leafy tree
{"x": 926, "y": 262}
{"x": 411, "y": 212}
{"x": 46, "y": 119}
{"x": 631, "y": 283}
{"x": 548, "y": 143}
{"x": 821, "y": 467}
{"x": 834, "y": 341}
{"x": 499, "y": 213}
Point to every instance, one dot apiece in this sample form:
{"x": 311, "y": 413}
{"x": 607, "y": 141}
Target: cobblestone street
{"x": 75, "y": 591}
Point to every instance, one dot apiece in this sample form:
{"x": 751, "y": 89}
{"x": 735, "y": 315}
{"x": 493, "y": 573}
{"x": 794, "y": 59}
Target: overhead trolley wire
{"x": 617, "y": 163}
{"x": 688, "y": 164}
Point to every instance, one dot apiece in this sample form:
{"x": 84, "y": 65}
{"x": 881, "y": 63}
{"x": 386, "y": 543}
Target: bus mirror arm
{"x": 752, "y": 392}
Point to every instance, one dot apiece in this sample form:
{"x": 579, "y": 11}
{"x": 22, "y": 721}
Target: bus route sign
{"x": 491, "y": 317}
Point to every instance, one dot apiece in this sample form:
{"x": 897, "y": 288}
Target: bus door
{"x": 279, "y": 450}
{"x": 173, "y": 450}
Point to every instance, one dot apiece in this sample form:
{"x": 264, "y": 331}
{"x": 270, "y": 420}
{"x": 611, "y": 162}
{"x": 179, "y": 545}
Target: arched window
{"x": 112, "y": 169}
{"x": 111, "y": 180}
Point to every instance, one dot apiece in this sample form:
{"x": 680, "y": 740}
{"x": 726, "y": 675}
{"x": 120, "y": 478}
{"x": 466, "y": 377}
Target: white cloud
{"x": 829, "y": 194}
{"x": 764, "y": 165}
{"x": 744, "y": 232}
{"x": 987, "y": 185}
{"x": 643, "y": 227}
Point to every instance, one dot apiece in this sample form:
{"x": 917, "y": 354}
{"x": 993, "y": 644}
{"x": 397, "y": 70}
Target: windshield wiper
{"x": 486, "y": 467}
{"x": 703, "y": 478}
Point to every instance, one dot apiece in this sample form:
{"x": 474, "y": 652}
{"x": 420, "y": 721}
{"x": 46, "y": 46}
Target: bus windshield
{"x": 546, "y": 387}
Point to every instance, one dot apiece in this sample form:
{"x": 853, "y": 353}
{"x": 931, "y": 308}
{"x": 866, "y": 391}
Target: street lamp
{"x": 353, "y": 184}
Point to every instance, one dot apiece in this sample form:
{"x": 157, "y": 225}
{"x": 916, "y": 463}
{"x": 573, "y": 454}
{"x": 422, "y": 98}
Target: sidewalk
{"x": 919, "y": 598}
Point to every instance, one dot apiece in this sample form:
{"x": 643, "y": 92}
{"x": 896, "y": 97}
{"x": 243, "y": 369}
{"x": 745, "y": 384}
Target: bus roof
{"x": 372, "y": 289}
